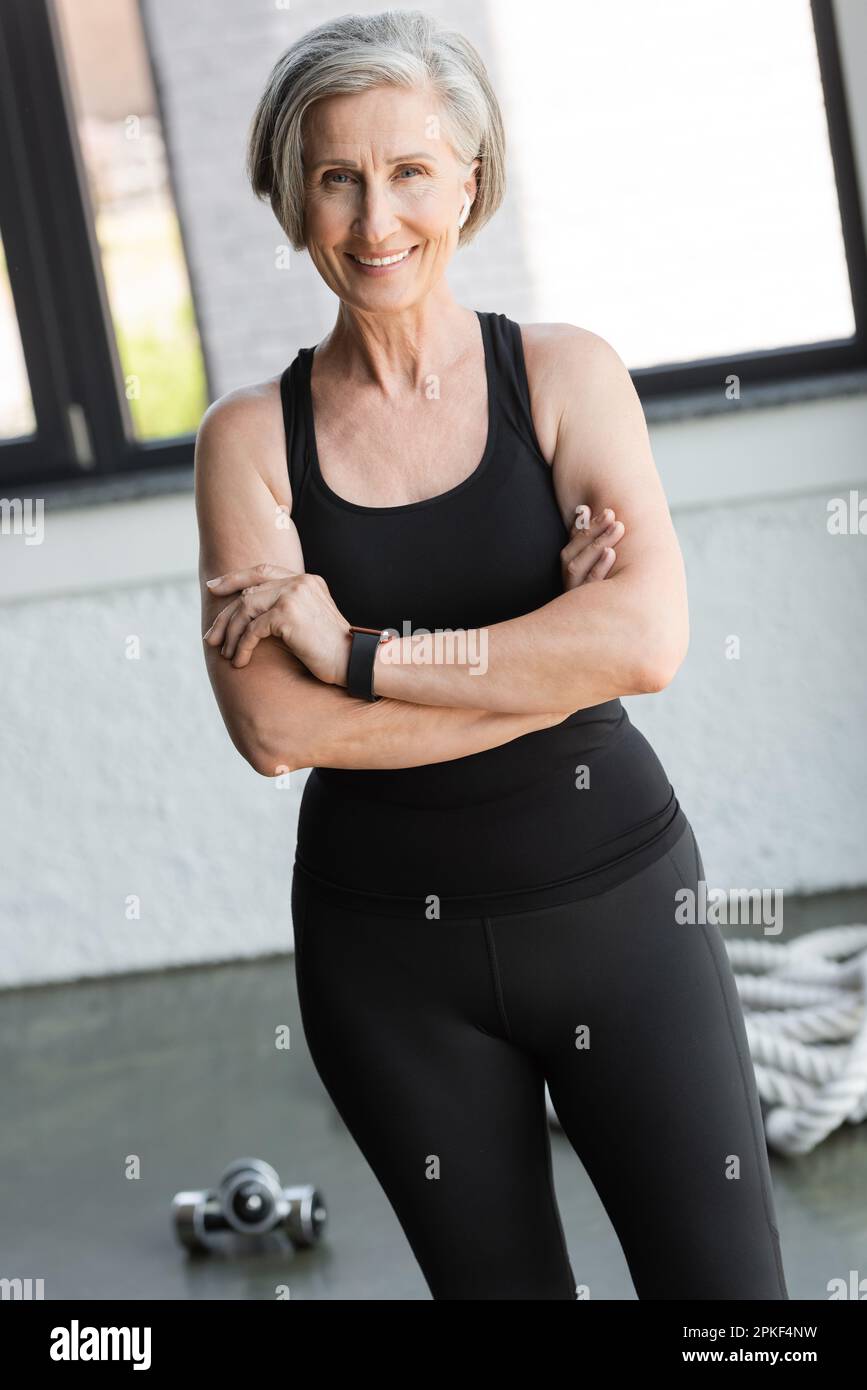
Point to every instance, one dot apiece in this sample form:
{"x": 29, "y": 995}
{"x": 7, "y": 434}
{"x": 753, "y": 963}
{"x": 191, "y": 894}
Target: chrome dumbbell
{"x": 249, "y": 1200}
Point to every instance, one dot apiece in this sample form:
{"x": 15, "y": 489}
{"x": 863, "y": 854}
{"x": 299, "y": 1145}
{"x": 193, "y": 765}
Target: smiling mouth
{"x": 375, "y": 262}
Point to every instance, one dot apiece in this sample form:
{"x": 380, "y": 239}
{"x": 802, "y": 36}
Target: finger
{"x": 603, "y": 565}
{"x": 615, "y": 533}
{"x": 260, "y": 627}
{"x": 597, "y": 526}
{"x": 580, "y": 560}
{"x": 592, "y": 547}
{"x": 577, "y": 569}
{"x": 216, "y": 632}
{"x": 602, "y": 529}
{"x": 252, "y": 602}
{"x": 242, "y": 579}
{"x": 585, "y": 522}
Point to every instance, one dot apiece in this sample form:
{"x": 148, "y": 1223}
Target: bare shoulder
{"x": 247, "y": 424}
{"x": 562, "y": 358}
{"x": 556, "y": 348}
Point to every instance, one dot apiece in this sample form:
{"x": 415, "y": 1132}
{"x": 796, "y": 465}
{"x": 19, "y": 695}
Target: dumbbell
{"x": 250, "y": 1200}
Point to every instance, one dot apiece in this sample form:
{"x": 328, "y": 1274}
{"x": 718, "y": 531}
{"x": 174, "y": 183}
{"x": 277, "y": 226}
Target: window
{"x": 16, "y": 403}
{"x": 676, "y": 166}
{"x": 132, "y": 207}
{"x": 103, "y": 367}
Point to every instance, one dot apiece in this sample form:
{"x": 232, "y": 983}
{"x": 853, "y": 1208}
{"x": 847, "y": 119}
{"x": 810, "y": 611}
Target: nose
{"x": 376, "y": 220}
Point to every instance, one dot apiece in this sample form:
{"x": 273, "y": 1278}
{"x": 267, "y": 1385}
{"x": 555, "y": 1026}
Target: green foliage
{"x": 168, "y": 391}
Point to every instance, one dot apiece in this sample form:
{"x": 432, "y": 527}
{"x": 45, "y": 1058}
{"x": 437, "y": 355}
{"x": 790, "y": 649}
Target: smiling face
{"x": 381, "y": 178}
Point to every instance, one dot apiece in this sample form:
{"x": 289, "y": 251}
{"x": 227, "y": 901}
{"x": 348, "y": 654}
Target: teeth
{"x": 386, "y": 260}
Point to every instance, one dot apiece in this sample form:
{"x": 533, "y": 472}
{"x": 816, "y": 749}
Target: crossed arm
{"x": 625, "y": 636}
{"x": 278, "y": 715}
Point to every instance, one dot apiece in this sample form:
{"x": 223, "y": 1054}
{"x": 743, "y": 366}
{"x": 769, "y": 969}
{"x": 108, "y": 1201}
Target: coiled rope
{"x": 805, "y": 1009}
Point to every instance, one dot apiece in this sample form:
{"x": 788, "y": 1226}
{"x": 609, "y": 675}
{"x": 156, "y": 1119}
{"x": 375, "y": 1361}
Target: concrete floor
{"x": 181, "y": 1071}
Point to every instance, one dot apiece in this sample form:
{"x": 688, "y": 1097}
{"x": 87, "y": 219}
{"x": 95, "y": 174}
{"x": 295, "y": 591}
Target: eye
{"x": 341, "y": 173}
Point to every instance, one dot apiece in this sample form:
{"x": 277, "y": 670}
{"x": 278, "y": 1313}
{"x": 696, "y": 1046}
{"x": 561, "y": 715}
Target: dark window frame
{"x": 60, "y": 296}
{"x": 84, "y": 426}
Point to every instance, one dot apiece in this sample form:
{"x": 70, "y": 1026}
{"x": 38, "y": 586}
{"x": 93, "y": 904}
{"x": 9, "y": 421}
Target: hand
{"x": 589, "y": 552}
{"x": 275, "y": 602}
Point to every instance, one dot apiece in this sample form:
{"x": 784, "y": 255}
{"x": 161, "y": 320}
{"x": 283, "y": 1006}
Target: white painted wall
{"x": 119, "y": 779}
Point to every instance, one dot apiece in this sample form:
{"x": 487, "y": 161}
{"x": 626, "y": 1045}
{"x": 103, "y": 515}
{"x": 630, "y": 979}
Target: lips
{"x": 403, "y": 252}
{"x": 382, "y": 255}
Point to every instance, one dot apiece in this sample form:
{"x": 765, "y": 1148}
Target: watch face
{"x": 384, "y": 634}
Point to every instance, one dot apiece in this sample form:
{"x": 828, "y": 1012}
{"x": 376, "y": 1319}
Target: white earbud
{"x": 465, "y": 210}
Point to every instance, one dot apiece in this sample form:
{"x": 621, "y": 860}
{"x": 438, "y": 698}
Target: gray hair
{"x": 353, "y": 53}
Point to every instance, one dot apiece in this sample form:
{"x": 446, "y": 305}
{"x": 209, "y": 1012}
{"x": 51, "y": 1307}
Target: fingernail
{"x": 209, "y": 582}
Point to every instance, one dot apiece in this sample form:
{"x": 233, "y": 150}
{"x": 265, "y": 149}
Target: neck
{"x": 398, "y": 350}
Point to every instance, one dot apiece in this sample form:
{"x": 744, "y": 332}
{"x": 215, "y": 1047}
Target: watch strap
{"x": 362, "y": 654}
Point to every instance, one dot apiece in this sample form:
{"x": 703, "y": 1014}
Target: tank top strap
{"x": 294, "y": 425}
{"x": 513, "y": 387}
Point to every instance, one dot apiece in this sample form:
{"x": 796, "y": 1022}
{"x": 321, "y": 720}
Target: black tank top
{"x": 512, "y": 828}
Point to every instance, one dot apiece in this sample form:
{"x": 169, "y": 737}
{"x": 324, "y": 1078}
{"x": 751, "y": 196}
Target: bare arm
{"x": 277, "y": 714}
{"x": 626, "y": 636}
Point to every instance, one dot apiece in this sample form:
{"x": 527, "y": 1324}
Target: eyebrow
{"x": 349, "y": 164}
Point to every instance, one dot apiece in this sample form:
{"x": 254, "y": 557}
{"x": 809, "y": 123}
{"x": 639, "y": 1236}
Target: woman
{"x": 488, "y": 850}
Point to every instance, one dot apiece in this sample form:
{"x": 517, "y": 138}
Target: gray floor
{"x": 180, "y": 1071}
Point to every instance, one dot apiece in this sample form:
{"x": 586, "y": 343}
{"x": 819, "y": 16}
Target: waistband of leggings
{"x": 585, "y": 885}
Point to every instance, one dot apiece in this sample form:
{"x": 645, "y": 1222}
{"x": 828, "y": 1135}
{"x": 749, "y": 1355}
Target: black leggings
{"x": 435, "y": 1039}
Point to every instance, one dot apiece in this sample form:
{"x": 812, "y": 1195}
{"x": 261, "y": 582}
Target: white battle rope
{"x": 805, "y": 1009}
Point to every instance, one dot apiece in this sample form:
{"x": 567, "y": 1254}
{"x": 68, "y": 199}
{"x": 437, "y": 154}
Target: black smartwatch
{"x": 364, "y": 642}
